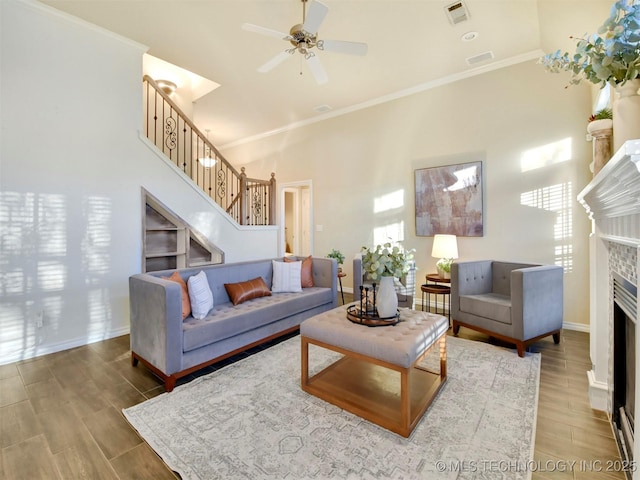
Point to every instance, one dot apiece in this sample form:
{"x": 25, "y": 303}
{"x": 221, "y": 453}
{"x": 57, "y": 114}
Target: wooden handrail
{"x": 186, "y": 119}
{"x": 168, "y": 127}
{"x": 230, "y": 207}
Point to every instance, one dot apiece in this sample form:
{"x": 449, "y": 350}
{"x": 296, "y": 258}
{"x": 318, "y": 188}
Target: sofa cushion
{"x": 286, "y": 277}
{"x": 306, "y": 275}
{"x": 186, "y": 302}
{"x": 227, "y": 320}
{"x": 243, "y": 291}
{"x": 488, "y": 305}
{"x": 200, "y": 295}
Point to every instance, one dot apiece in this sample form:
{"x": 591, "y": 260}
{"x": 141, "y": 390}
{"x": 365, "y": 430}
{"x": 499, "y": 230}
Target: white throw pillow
{"x": 286, "y": 277}
{"x": 200, "y": 295}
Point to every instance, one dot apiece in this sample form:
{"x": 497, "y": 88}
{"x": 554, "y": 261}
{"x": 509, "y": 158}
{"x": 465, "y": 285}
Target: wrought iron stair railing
{"x": 248, "y": 201}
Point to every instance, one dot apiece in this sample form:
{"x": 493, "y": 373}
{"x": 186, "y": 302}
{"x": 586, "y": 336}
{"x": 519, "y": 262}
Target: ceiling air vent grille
{"x": 457, "y": 12}
{"x": 482, "y": 57}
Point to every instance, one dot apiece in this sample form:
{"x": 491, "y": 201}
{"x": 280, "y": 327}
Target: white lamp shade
{"x": 444, "y": 246}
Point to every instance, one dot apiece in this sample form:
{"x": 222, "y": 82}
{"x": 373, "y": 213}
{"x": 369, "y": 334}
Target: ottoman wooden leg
{"x": 443, "y": 357}
{"x": 304, "y": 367}
{"x": 405, "y": 399}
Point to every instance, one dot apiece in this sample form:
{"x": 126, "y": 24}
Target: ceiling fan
{"x": 304, "y": 38}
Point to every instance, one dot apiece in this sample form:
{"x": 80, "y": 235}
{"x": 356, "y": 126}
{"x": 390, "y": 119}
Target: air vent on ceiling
{"x": 482, "y": 57}
{"x": 457, "y": 12}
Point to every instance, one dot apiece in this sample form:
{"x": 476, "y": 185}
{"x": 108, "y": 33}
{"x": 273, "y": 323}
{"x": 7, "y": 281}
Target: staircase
{"x": 248, "y": 201}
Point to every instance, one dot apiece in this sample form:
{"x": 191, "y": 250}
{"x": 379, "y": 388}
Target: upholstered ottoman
{"x": 378, "y": 378}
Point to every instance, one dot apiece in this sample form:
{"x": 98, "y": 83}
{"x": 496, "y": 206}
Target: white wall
{"x": 495, "y": 118}
{"x": 72, "y": 165}
{"x": 71, "y": 170}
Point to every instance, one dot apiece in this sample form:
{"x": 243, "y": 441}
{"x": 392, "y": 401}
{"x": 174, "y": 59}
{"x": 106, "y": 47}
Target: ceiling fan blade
{"x": 275, "y": 61}
{"x": 315, "y": 16}
{"x": 317, "y": 70}
{"x": 340, "y": 46}
{"x": 249, "y": 27}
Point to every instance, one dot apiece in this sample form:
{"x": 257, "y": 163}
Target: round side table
{"x": 341, "y": 275}
{"x": 435, "y": 278}
{"x": 436, "y": 289}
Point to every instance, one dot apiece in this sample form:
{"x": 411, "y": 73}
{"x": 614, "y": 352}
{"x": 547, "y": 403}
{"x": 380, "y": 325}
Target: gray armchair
{"x": 515, "y": 302}
{"x": 405, "y": 287}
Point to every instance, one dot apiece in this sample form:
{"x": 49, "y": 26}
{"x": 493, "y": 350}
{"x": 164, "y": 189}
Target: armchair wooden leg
{"x": 556, "y": 338}
{"x": 456, "y": 328}
{"x": 520, "y": 347}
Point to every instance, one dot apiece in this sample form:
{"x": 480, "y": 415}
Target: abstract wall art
{"x": 449, "y": 200}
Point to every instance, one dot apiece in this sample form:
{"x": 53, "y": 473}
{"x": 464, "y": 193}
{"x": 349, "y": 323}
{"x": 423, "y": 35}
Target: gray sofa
{"x": 516, "y": 302}
{"x": 404, "y": 289}
{"x": 172, "y": 347}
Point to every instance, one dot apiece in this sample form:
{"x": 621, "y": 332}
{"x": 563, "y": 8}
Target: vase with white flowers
{"x": 381, "y": 265}
{"x": 610, "y": 57}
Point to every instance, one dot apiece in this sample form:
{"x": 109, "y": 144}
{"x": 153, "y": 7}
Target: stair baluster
{"x": 248, "y": 201}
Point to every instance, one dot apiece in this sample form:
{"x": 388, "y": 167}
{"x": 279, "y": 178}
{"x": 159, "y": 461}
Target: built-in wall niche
{"x": 169, "y": 242}
{"x": 201, "y": 252}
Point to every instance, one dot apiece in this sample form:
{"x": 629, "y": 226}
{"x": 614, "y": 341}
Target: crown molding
{"x": 525, "y": 57}
{"x": 43, "y": 9}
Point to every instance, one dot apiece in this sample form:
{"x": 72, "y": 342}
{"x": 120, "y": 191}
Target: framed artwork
{"x": 449, "y": 200}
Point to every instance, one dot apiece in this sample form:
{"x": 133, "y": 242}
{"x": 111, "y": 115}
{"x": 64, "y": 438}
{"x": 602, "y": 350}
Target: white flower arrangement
{"x": 386, "y": 261}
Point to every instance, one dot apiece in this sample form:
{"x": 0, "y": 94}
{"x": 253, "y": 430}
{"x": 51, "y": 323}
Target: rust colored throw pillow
{"x": 307, "y": 270}
{"x": 186, "y": 303}
{"x": 243, "y": 291}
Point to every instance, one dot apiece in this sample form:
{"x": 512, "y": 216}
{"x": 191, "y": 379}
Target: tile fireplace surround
{"x": 612, "y": 200}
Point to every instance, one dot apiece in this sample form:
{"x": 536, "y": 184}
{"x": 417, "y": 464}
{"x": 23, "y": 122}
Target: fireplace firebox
{"x": 624, "y": 363}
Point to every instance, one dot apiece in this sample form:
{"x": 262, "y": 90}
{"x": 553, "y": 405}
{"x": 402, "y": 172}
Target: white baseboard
{"x": 40, "y": 350}
{"x": 598, "y": 392}
{"x": 578, "y": 327}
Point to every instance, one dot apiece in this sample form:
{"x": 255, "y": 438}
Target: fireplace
{"x": 625, "y": 299}
{"x": 612, "y": 201}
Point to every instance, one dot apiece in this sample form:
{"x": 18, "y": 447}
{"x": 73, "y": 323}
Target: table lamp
{"x": 445, "y": 247}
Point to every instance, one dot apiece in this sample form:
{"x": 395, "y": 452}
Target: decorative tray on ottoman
{"x": 370, "y": 318}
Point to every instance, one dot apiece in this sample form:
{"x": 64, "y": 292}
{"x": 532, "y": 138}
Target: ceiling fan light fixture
{"x": 303, "y": 38}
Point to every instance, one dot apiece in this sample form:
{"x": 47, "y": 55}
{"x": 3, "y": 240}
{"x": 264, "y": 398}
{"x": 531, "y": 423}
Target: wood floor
{"x": 60, "y": 415}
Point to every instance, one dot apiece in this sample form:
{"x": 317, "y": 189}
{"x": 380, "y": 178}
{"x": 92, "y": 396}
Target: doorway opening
{"x": 296, "y": 219}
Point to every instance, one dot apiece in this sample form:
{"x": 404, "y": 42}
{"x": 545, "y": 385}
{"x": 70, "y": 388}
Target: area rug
{"x": 251, "y": 420}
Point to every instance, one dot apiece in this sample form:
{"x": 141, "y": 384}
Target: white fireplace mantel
{"x": 615, "y": 192}
{"x": 612, "y": 200}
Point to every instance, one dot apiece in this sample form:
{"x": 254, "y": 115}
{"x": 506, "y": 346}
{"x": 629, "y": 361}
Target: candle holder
{"x": 366, "y": 312}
